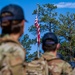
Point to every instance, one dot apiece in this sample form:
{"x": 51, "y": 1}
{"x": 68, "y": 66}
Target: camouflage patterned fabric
{"x": 12, "y": 56}
{"x": 73, "y": 73}
{"x": 56, "y": 65}
{"x": 37, "y": 67}
{"x": 48, "y": 64}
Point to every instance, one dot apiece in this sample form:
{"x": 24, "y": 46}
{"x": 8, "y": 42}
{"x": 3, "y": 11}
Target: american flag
{"x": 38, "y": 30}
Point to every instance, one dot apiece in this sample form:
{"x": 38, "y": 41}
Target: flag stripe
{"x": 38, "y": 30}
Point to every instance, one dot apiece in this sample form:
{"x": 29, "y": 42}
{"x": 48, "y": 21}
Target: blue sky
{"x": 29, "y": 5}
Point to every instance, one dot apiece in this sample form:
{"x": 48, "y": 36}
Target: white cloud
{"x": 65, "y": 5}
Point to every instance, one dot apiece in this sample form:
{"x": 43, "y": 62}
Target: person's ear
{"x": 23, "y": 21}
{"x": 58, "y": 46}
{"x": 22, "y": 24}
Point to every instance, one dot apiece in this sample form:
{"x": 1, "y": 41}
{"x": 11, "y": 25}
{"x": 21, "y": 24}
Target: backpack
{"x": 56, "y": 66}
{"x": 8, "y": 62}
{"x": 37, "y": 67}
{"x": 43, "y": 66}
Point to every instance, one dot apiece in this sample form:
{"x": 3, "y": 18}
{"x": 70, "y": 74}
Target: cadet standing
{"x": 50, "y": 46}
{"x": 12, "y": 54}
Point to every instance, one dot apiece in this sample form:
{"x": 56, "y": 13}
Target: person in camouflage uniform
{"x": 56, "y": 65}
{"x": 12, "y": 54}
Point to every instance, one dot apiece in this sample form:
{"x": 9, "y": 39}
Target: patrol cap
{"x": 50, "y": 36}
{"x": 15, "y": 10}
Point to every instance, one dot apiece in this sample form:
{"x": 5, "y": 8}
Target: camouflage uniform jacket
{"x": 56, "y": 65}
{"x": 73, "y": 73}
{"x": 12, "y": 56}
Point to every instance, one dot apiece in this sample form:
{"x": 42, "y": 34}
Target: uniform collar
{"x": 49, "y": 56}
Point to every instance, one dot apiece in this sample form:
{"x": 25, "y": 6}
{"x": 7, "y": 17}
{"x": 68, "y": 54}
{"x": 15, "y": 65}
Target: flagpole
{"x": 38, "y": 45}
{"x": 37, "y": 9}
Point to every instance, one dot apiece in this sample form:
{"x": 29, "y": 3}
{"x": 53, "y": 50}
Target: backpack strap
{"x": 8, "y": 39}
{"x": 49, "y": 61}
{"x": 46, "y": 65}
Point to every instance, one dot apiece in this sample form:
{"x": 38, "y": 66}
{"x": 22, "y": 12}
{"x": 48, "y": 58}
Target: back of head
{"x": 49, "y": 42}
{"x": 11, "y": 17}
